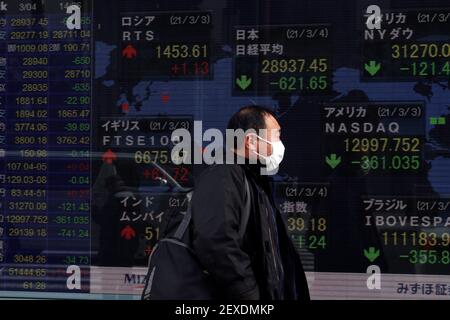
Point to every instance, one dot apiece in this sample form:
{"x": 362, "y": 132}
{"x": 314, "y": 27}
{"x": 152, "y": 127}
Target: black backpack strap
{"x": 244, "y": 219}
{"x": 182, "y": 227}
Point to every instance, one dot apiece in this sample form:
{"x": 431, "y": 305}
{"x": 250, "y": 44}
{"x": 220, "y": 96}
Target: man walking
{"x": 263, "y": 264}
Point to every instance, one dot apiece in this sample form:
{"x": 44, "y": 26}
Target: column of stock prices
{"x": 92, "y": 93}
{"x": 45, "y": 146}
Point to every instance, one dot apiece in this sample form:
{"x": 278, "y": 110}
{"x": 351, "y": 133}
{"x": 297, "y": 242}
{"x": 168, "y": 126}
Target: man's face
{"x": 270, "y": 133}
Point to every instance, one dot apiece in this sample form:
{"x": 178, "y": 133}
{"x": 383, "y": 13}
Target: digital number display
{"x": 374, "y": 139}
{"x": 46, "y": 107}
{"x": 282, "y": 59}
{"x": 399, "y": 48}
{"x": 173, "y": 45}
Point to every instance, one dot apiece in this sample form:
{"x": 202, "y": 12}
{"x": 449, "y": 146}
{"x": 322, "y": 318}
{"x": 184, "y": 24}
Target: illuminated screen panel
{"x": 403, "y": 49}
{"x": 46, "y": 104}
{"x": 269, "y": 59}
{"x": 93, "y": 95}
{"x": 165, "y": 44}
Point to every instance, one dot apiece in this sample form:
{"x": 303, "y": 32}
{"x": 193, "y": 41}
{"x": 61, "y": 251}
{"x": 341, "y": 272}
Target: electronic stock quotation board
{"x": 92, "y": 90}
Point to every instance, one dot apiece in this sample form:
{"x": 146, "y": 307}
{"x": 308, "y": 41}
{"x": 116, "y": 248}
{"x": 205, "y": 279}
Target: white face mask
{"x": 273, "y": 161}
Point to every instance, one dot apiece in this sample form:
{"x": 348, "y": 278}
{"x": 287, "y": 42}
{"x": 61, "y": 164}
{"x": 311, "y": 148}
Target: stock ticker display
{"x": 91, "y": 91}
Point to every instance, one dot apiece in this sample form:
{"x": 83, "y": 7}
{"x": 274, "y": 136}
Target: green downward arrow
{"x": 371, "y": 254}
{"x": 333, "y": 160}
{"x": 243, "y": 82}
{"x": 372, "y": 68}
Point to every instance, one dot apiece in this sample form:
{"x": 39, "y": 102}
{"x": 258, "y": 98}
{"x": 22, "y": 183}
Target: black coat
{"x": 242, "y": 268}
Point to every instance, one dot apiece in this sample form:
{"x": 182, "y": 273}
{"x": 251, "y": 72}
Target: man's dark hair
{"x": 250, "y": 117}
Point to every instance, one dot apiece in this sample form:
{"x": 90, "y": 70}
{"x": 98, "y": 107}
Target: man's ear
{"x": 249, "y": 142}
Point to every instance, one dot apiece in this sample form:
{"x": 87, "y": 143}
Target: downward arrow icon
{"x": 371, "y": 254}
{"x": 243, "y": 82}
{"x": 333, "y": 160}
{"x": 372, "y": 68}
